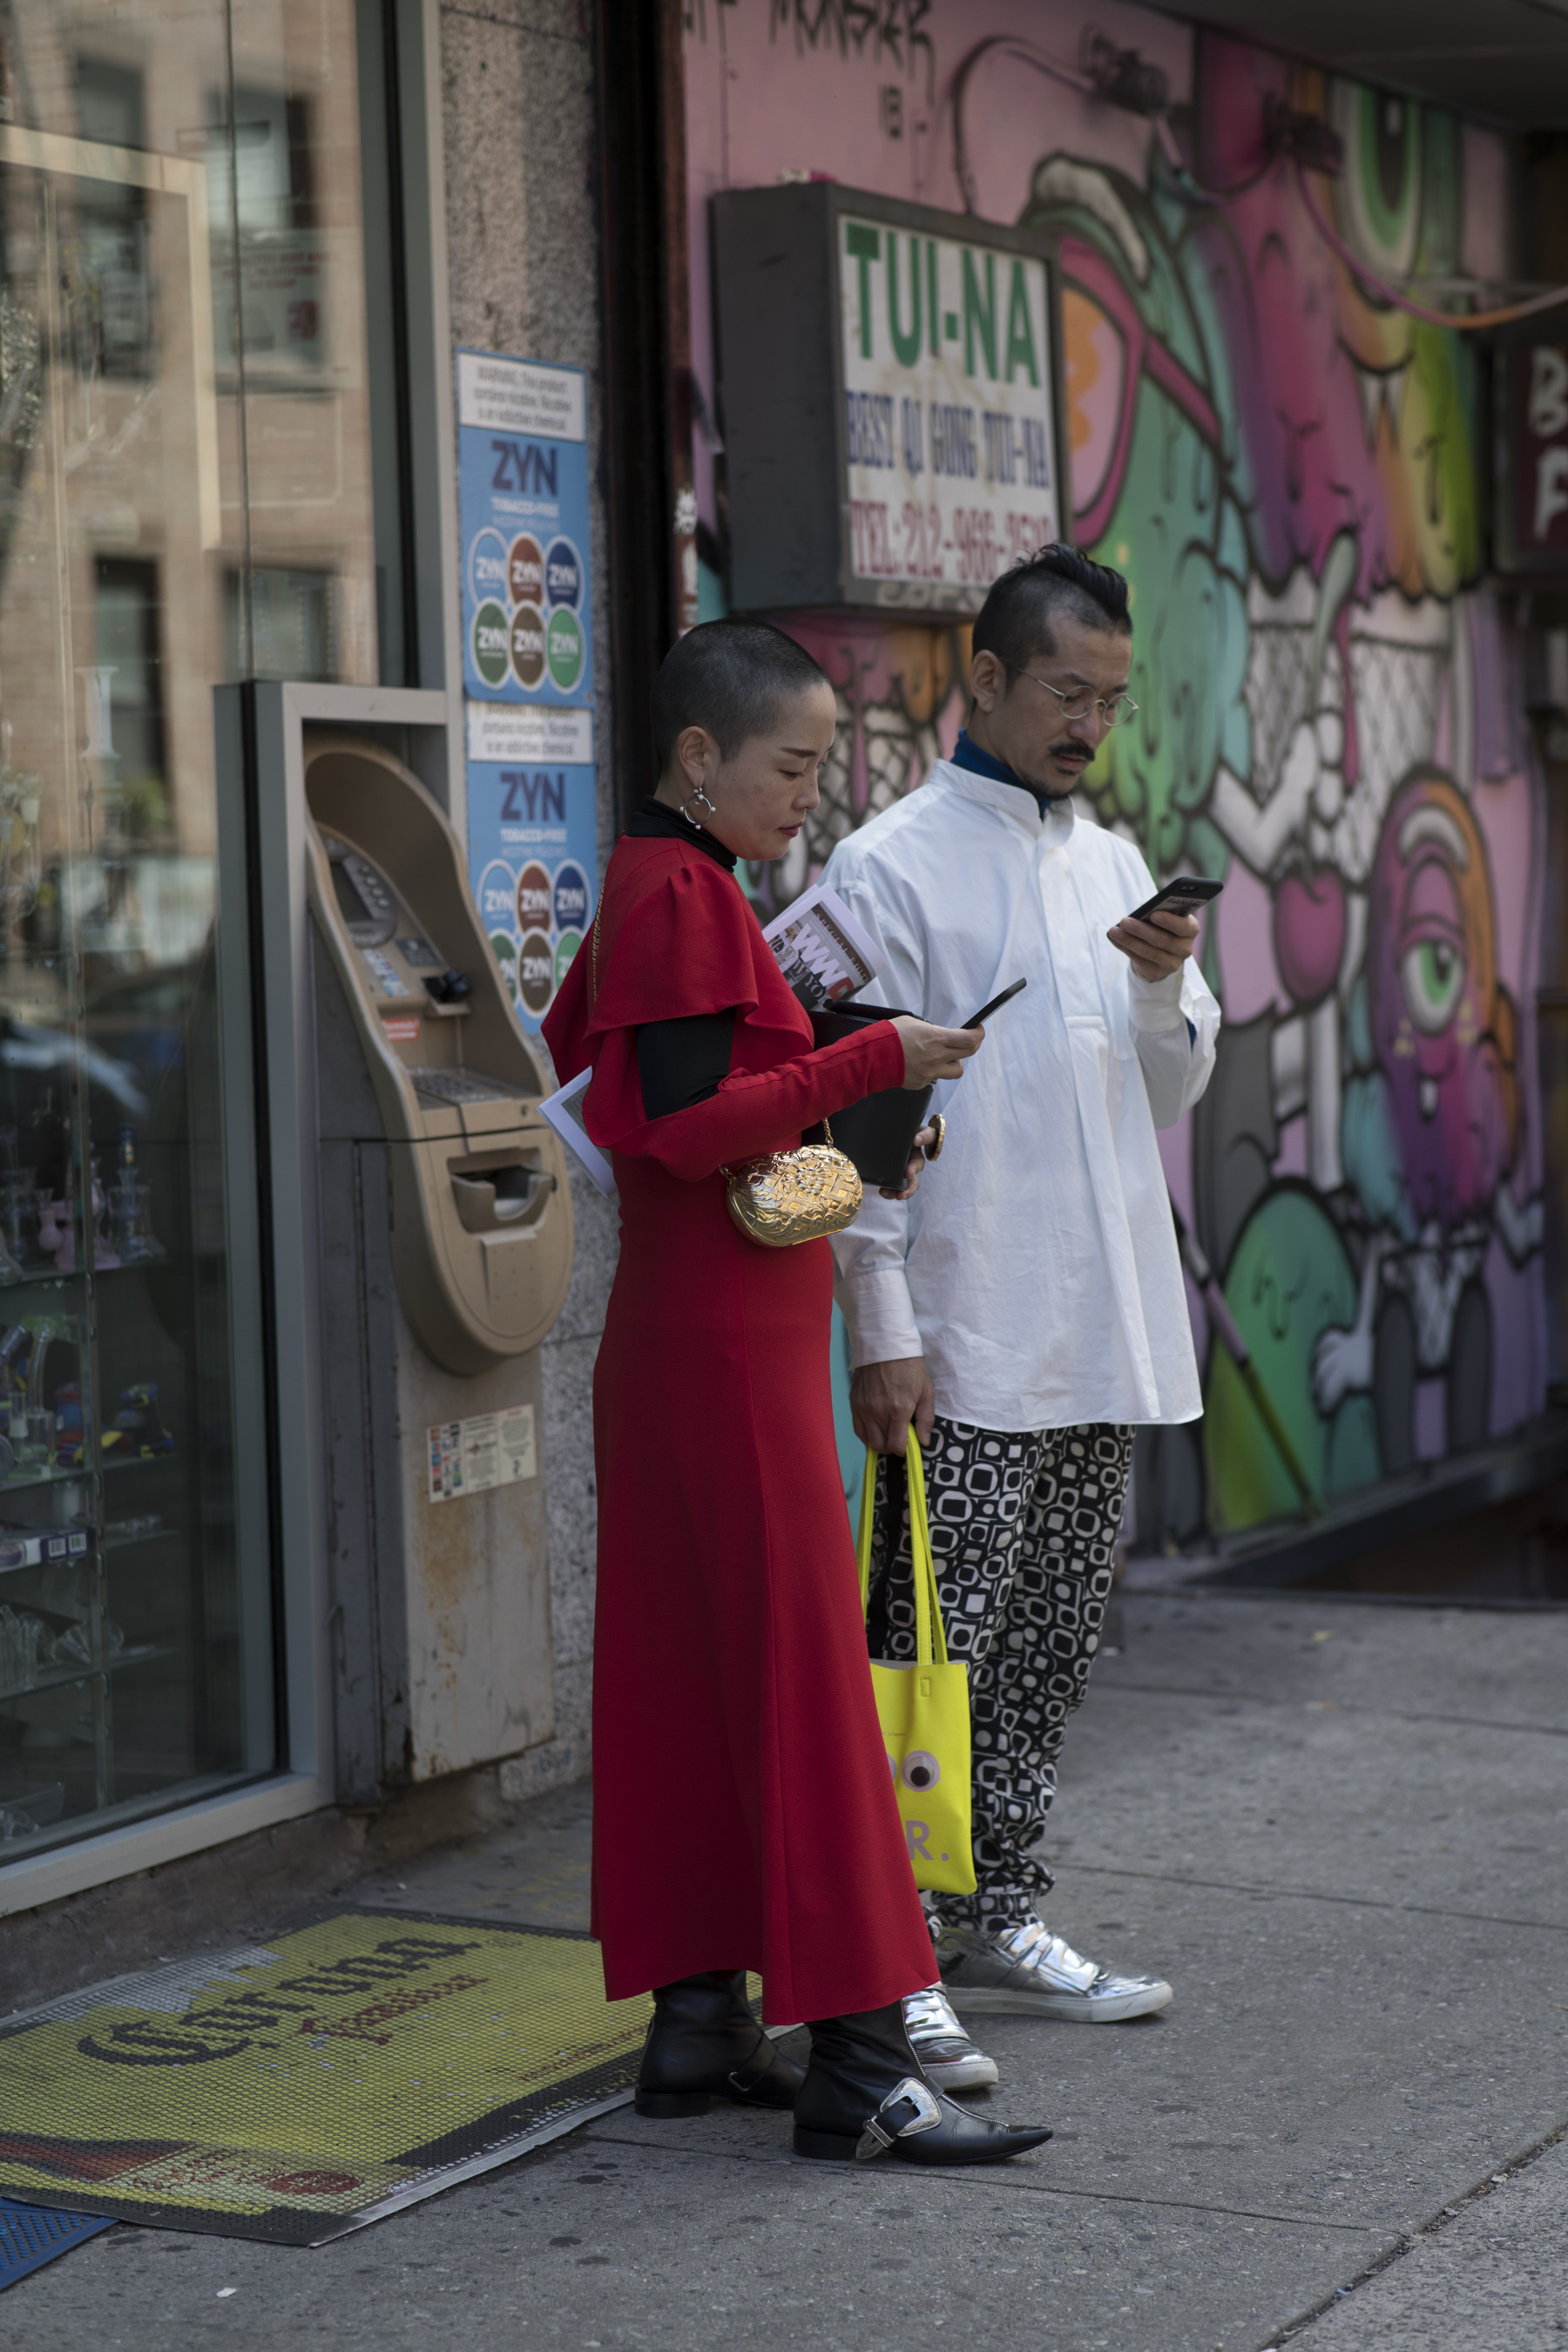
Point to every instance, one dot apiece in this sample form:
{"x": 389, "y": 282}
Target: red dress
{"x": 744, "y": 1813}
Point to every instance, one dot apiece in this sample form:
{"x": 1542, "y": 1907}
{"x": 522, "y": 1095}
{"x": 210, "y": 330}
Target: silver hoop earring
{"x": 702, "y": 801}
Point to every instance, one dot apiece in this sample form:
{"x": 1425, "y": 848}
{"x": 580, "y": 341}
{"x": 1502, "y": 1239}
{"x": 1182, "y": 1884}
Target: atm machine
{"x": 445, "y": 1242}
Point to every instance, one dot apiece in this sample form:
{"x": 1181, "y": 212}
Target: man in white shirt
{"x": 1027, "y": 1308}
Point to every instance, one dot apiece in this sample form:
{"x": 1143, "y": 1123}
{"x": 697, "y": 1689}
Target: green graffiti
{"x": 1189, "y": 645}
{"x": 1289, "y": 1281}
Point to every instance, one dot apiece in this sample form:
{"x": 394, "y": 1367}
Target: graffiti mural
{"x": 1287, "y": 469}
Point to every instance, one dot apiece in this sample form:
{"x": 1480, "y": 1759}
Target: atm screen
{"x": 351, "y": 905}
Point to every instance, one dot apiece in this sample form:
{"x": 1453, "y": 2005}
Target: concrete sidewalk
{"x": 1341, "y": 1829}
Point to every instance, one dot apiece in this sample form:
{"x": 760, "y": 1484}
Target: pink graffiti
{"x": 1145, "y": 355}
{"x": 1443, "y": 1025}
{"x": 1310, "y": 351}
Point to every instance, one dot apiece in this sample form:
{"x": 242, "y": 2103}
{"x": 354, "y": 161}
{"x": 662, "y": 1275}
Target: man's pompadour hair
{"x": 1016, "y": 621}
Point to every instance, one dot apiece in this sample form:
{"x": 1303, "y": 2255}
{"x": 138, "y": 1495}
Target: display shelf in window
{"x": 23, "y": 1548}
{"x": 53, "y": 1677}
{"x": 132, "y": 1462}
{"x": 23, "y": 1482}
{"x": 120, "y": 1535}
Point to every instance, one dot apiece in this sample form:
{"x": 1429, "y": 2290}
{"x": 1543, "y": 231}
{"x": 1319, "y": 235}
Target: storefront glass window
{"x": 184, "y": 499}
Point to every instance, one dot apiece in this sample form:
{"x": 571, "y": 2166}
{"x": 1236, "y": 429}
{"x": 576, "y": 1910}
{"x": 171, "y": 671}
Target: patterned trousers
{"x": 1023, "y": 1528}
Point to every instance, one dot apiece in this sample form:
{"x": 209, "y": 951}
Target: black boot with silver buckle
{"x": 704, "y": 2044}
{"x": 864, "y": 2095}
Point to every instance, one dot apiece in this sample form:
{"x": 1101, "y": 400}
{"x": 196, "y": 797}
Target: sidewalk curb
{"x": 1434, "y": 2227}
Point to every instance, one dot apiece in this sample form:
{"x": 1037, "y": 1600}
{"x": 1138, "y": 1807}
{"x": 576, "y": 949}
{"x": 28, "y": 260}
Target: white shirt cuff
{"x": 880, "y": 1318}
{"x": 1156, "y": 1004}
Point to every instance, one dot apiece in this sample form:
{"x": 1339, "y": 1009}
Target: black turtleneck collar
{"x": 657, "y": 821}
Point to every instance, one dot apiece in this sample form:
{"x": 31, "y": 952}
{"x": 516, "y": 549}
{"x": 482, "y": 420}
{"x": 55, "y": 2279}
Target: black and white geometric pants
{"x": 1024, "y": 1527}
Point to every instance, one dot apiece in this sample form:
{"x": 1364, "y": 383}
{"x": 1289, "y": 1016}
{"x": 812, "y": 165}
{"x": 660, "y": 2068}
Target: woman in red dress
{"x": 744, "y": 1816}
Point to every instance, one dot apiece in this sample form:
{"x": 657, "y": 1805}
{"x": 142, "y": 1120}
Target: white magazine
{"x": 822, "y": 951}
{"x": 563, "y": 1110}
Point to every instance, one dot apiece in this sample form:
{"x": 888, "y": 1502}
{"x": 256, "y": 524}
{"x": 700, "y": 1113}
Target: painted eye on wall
{"x": 922, "y": 1769}
{"x": 1378, "y": 193}
{"x": 1432, "y": 974}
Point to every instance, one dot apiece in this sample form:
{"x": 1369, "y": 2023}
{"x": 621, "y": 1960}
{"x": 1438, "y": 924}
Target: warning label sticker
{"x": 490, "y": 1449}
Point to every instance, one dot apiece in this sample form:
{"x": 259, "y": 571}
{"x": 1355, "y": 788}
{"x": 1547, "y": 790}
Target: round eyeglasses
{"x": 1114, "y": 713}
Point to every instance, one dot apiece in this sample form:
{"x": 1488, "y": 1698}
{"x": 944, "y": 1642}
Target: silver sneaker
{"x": 1029, "y": 1972}
{"x": 948, "y": 2057}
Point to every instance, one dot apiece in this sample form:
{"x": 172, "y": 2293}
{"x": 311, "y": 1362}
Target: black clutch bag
{"x": 878, "y": 1133}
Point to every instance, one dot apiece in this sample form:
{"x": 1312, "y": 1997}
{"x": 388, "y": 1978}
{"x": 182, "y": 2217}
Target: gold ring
{"x": 933, "y": 1149}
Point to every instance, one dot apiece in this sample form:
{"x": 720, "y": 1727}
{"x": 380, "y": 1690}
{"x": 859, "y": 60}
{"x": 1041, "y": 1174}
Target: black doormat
{"x": 354, "y": 2064}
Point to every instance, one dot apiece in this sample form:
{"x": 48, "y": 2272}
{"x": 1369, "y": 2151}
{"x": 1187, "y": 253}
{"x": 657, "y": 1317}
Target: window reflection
{"x": 113, "y": 293}
{"x": 184, "y": 497}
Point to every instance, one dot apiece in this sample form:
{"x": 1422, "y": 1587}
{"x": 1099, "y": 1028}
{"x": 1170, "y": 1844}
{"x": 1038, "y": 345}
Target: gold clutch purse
{"x": 794, "y": 1196}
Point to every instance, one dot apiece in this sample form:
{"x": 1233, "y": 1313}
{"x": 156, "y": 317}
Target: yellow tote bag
{"x": 923, "y": 1708}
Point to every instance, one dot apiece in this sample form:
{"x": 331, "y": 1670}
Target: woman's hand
{"x": 932, "y": 1054}
{"x": 917, "y": 1160}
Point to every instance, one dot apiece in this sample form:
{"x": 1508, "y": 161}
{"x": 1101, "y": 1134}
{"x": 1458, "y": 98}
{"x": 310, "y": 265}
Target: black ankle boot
{"x": 703, "y": 2044}
{"x": 864, "y": 2093}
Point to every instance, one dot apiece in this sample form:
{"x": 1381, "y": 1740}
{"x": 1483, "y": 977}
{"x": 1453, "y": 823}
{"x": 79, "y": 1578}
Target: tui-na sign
{"x": 890, "y": 400}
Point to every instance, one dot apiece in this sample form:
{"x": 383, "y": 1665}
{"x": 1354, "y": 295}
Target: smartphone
{"x": 988, "y": 1010}
{"x": 1184, "y": 895}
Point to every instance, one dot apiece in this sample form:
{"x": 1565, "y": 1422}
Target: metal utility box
{"x": 403, "y": 1144}
{"x": 481, "y": 1209}
{"x": 889, "y": 396}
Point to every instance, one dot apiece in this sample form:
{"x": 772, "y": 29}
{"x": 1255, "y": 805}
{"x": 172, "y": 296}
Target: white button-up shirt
{"x": 1037, "y": 1268}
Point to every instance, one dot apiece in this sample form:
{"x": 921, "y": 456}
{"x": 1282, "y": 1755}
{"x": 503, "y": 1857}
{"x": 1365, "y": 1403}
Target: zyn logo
{"x": 562, "y": 574}
{"x": 535, "y": 972}
{"x": 564, "y": 649}
{"x": 571, "y": 899}
{"x": 527, "y": 644}
{"x": 525, "y": 571}
{"x": 487, "y": 566}
{"x": 497, "y": 892}
{"x": 534, "y": 899}
{"x": 492, "y": 644}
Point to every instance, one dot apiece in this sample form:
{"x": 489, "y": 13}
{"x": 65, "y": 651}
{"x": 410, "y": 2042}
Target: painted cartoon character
{"x": 1286, "y": 467}
{"x": 1349, "y": 413}
{"x": 1432, "y": 1126}
{"x": 1153, "y": 493}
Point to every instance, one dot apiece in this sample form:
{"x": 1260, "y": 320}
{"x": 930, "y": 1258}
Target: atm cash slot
{"x": 482, "y": 1210}
{"x": 499, "y": 1190}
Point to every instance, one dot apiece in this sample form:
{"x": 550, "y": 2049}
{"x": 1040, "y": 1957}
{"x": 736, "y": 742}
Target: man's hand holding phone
{"x": 1157, "y": 948}
{"x": 1160, "y": 936}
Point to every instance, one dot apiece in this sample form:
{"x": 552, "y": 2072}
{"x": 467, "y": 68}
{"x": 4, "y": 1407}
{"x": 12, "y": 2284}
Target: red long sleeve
{"x": 765, "y": 1110}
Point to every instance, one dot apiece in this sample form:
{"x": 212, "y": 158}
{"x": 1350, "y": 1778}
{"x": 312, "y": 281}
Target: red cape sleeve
{"x": 676, "y": 938}
{"x": 680, "y": 941}
{"x": 681, "y": 944}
